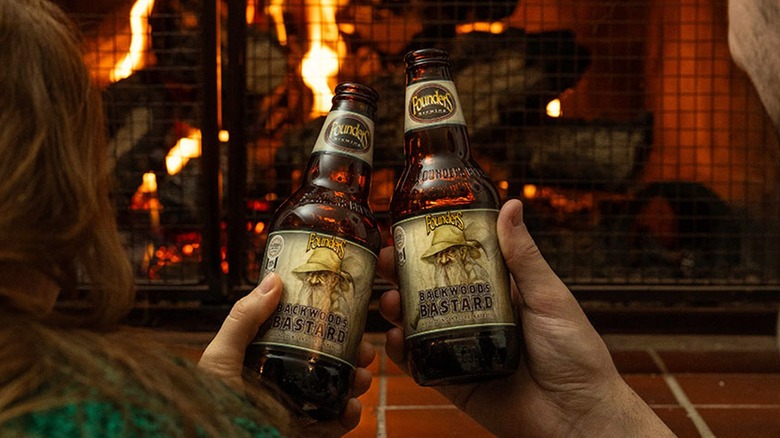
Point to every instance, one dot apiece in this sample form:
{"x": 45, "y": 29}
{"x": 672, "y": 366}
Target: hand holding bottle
{"x": 224, "y": 356}
{"x": 568, "y": 385}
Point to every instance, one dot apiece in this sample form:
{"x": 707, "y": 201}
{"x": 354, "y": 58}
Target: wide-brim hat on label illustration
{"x": 447, "y": 236}
{"x": 322, "y": 259}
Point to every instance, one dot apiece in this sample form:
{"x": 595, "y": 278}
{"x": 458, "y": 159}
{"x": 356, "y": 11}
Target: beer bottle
{"x": 323, "y": 242}
{"x": 459, "y": 323}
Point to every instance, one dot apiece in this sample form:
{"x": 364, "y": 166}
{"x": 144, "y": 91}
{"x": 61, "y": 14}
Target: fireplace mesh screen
{"x": 641, "y": 152}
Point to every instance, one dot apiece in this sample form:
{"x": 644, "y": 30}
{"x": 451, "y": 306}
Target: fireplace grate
{"x": 642, "y": 154}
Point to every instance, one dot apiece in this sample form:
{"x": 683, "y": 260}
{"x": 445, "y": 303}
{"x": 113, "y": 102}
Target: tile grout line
{"x": 381, "y": 420}
{"x": 681, "y": 397}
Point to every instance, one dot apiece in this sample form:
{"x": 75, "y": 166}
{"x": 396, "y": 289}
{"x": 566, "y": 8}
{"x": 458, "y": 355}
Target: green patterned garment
{"x": 96, "y": 419}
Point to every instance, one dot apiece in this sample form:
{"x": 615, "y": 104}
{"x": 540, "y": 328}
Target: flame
{"x": 251, "y": 8}
{"x": 149, "y": 183}
{"x": 145, "y": 198}
{"x": 186, "y": 148}
{"x": 321, "y": 62}
{"x": 275, "y": 10}
{"x": 554, "y": 108}
{"x": 139, "y": 26}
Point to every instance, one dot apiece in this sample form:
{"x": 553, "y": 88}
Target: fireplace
{"x": 647, "y": 165}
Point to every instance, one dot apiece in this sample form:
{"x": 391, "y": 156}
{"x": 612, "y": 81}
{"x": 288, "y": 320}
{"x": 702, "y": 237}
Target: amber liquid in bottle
{"x": 458, "y": 318}
{"x": 323, "y": 241}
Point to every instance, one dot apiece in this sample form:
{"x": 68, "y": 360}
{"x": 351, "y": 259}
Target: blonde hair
{"x": 56, "y": 218}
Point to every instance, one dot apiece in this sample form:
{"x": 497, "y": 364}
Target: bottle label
{"x": 432, "y": 103}
{"x": 327, "y": 287}
{"x": 451, "y": 272}
{"x": 348, "y": 133}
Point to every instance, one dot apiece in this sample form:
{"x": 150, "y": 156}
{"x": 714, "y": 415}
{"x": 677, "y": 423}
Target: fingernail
{"x": 266, "y": 285}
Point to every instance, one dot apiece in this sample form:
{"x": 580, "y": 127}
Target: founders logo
{"x": 349, "y": 133}
{"x": 431, "y": 103}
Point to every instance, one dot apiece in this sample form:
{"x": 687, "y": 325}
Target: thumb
{"x": 224, "y": 356}
{"x": 540, "y": 288}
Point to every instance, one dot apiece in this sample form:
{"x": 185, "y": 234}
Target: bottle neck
{"x": 342, "y": 156}
{"x": 434, "y": 122}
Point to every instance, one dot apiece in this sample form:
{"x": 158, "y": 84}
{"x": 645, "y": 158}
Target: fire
{"x": 275, "y": 10}
{"x": 186, "y": 148}
{"x": 554, "y": 108}
{"x": 149, "y": 183}
{"x": 321, "y": 63}
{"x": 139, "y": 26}
{"x": 145, "y": 198}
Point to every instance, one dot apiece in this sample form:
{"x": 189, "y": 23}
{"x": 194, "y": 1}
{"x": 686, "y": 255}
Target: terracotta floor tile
{"x": 652, "y": 388}
{"x": 731, "y": 389}
{"x": 432, "y": 423}
{"x": 765, "y": 361}
{"x": 743, "y": 423}
{"x": 403, "y": 391}
{"x": 677, "y": 419}
{"x": 634, "y": 362}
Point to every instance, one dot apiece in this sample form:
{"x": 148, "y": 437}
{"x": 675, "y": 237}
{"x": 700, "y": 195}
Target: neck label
{"x": 432, "y": 103}
{"x": 348, "y": 133}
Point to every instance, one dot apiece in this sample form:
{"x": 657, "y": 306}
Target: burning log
{"x": 149, "y": 110}
{"x": 440, "y": 19}
{"x": 509, "y": 78}
{"x": 498, "y": 75}
{"x": 599, "y": 153}
{"x": 140, "y": 120}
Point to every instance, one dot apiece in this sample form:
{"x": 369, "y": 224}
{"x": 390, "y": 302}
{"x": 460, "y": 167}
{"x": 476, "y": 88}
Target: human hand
{"x": 224, "y": 356}
{"x": 568, "y": 384}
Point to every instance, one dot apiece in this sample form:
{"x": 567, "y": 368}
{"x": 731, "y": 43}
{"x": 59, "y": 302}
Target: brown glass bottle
{"x": 458, "y": 318}
{"x": 323, "y": 241}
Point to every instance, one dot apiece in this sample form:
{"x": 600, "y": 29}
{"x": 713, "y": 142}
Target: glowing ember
{"x": 139, "y": 26}
{"x": 494, "y": 27}
{"x": 529, "y": 191}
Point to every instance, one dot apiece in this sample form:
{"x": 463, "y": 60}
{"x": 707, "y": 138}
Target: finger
{"x": 395, "y": 348}
{"x": 540, "y": 289}
{"x": 225, "y": 354}
{"x": 385, "y": 266}
{"x": 362, "y": 382}
{"x": 366, "y": 354}
{"x": 390, "y": 307}
{"x": 348, "y": 420}
{"x": 351, "y": 416}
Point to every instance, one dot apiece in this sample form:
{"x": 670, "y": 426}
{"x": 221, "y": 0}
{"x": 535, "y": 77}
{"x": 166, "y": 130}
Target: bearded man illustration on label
{"x": 325, "y": 285}
{"x": 455, "y": 258}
